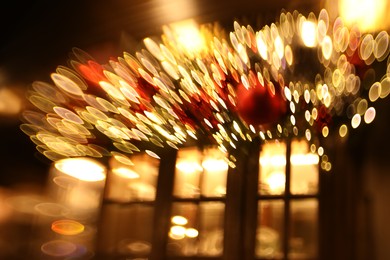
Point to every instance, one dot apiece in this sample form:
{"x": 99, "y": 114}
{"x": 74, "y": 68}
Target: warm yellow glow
{"x": 343, "y": 130}
{"x": 279, "y": 46}
{"x": 67, "y": 227}
{"x": 152, "y": 154}
{"x": 385, "y": 87}
{"x": 128, "y": 91}
{"x": 381, "y": 49}
{"x": 288, "y": 54}
{"x": 66, "y": 84}
{"x": 189, "y": 166}
{"x": 309, "y": 33}
{"x": 304, "y": 159}
{"x": 307, "y": 115}
{"x": 325, "y": 131}
{"x": 153, "y": 48}
{"x": 153, "y": 117}
{"x": 177, "y": 232}
{"x": 320, "y": 151}
{"x": 356, "y": 119}
{"x": 220, "y": 190}
{"x": 276, "y": 160}
{"x": 188, "y": 35}
{"x": 82, "y": 168}
{"x": 375, "y": 91}
{"x": 10, "y": 103}
{"x": 192, "y": 232}
{"x": 327, "y": 167}
{"x": 111, "y": 90}
{"x": 292, "y": 119}
{"x": 179, "y": 220}
{"x": 369, "y": 115}
{"x": 362, "y": 106}
{"x": 327, "y": 47}
{"x": 165, "y": 11}
{"x": 296, "y": 159}
{"x": 308, "y": 134}
{"x": 368, "y": 15}
{"x": 287, "y": 93}
{"x": 212, "y": 165}
{"x": 143, "y": 191}
{"x": 261, "y": 45}
{"x": 276, "y": 182}
{"x": 236, "y": 127}
{"x": 125, "y": 173}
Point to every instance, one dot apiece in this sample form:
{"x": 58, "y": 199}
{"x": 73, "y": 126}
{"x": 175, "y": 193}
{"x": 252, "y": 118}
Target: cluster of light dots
{"x": 63, "y": 227}
{"x": 169, "y": 92}
{"x": 178, "y": 230}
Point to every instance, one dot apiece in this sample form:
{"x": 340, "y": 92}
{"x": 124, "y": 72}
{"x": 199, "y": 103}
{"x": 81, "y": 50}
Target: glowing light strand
{"x": 164, "y": 95}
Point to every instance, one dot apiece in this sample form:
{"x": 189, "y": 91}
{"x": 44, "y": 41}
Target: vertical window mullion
{"x": 163, "y": 203}
{"x": 233, "y": 248}
{"x": 287, "y": 197}
{"x": 251, "y": 200}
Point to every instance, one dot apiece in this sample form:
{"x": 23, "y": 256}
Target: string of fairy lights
{"x": 231, "y": 87}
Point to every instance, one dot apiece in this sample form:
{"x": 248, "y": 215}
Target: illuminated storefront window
{"x": 287, "y": 201}
{"x": 199, "y": 196}
{"x": 191, "y": 204}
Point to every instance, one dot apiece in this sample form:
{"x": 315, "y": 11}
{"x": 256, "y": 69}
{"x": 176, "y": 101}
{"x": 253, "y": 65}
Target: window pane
{"x": 304, "y": 169}
{"x": 202, "y": 172}
{"x": 304, "y": 229}
{"x": 187, "y": 173}
{"x": 269, "y": 235}
{"x": 196, "y": 229}
{"x": 211, "y": 228}
{"x": 215, "y": 170}
{"x": 272, "y": 168}
{"x": 183, "y": 218}
{"x": 126, "y": 230}
{"x": 132, "y": 182}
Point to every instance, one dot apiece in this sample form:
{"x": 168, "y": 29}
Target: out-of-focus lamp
{"x": 368, "y": 15}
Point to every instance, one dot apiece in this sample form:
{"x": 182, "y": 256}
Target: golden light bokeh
{"x": 82, "y": 168}
{"x": 179, "y": 220}
{"x": 368, "y": 15}
{"x": 185, "y": 85}
{"x": 67, "y": 227}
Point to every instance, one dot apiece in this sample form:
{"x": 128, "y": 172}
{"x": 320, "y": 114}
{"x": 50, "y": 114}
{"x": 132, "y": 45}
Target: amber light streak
{"x": 67, "y": 227}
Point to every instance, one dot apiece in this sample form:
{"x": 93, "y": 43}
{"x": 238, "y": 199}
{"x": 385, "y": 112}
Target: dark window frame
{"x": 241, "y": 204}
